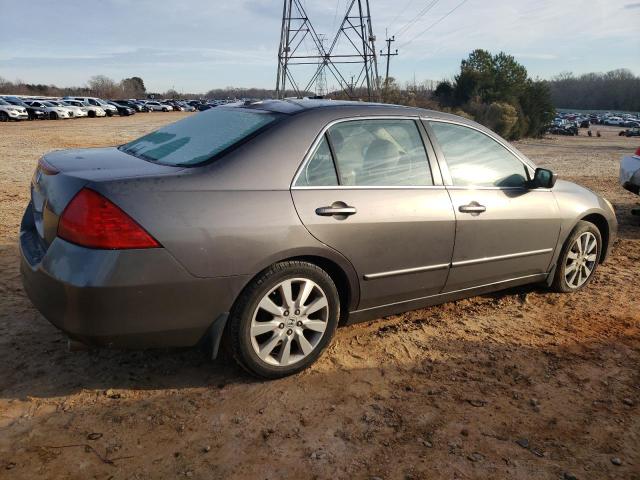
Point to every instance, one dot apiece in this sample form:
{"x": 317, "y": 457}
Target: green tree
{"x": 496, "y": 91}
{"x": 133, "y": 87}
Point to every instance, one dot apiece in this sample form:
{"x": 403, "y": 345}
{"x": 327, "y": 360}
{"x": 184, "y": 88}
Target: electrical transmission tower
{"x": 353, "y": 45}
{"x": 321, "y": 79}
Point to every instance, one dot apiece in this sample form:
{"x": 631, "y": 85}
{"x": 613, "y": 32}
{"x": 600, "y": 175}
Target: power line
{"x": 399, "y": 14}
{"x": 418, "y": 16}
{"x": 335, "y": 15}
{"x": 434, "y": 23}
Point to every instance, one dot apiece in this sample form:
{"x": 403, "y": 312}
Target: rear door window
{"x": 385, "y": 152}
{"x": 319, "y": 170}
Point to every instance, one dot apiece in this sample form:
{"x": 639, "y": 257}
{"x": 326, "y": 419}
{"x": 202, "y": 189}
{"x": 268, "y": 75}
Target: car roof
{"x": 356, "y": 108}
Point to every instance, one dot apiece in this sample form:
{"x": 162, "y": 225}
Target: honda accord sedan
{"x": 263, "y": 226}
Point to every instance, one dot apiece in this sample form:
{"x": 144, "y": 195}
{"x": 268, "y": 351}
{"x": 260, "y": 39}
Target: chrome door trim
{"x": 414, "y": 118}
{"x": 477, "y": 187}
{"x": 497, "y": 258}
{"x": 445, "y": 294}
{"x": 462, "y": 263}
{"x": 376, "y": 187}
{"x": 405, "y": 271}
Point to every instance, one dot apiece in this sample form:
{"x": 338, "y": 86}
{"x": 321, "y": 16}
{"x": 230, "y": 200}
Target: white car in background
{"x": 154, "y": 106}
{"x": 92, "y": 110}
{"x": 614, "y": 121}
{"x": 96, "y": 102}
{"x": 77, "y": 111}
{"x": 55, "y": 112}
{"x": 630, "y": 172}
{"x": 12, "y": 112}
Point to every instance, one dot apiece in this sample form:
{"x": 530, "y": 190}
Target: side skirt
{"x": 358, "y": 316}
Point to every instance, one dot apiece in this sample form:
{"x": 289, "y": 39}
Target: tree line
{"x": 97, "y": 86}
{"x": 614, "y": 90}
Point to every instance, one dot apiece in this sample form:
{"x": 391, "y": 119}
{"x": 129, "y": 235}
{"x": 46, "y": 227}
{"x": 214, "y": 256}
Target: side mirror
{"x": 543, "y": 178}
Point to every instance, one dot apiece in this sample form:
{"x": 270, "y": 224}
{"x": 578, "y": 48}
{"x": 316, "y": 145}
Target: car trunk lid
{"x": 61, "y": 175}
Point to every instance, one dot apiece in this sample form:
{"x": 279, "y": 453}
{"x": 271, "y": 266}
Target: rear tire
{"x": 91, "y": 114}
{"x": 283, "y": 320}
{"x": 578, "y": 259}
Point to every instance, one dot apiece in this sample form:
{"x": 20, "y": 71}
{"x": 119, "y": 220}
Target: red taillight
{"x": 638, "y": 152}
{"x": 91, "y": 220}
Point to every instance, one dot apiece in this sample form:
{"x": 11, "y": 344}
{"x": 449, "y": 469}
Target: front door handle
{"x": 474, "y": 208}
{"x": 337, "y": 209}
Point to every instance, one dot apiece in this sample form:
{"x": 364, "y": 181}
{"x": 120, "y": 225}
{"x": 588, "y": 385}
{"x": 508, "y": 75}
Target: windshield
{"x": 200, "y": 137}
{"x": 48, "y": 104}
{"x": 3, "y": 102}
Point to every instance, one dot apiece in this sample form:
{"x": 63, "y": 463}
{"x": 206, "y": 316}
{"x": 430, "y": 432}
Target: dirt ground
{"x": 523, "y": 384}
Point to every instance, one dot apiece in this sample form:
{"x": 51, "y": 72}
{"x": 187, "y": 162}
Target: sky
{"x": 196, "y": 45}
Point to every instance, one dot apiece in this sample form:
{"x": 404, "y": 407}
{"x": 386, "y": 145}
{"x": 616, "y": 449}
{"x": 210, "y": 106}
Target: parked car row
{"x": 570, "y": 123}
{"x": 584, "y": 120}
{"x": 14, "y": 107}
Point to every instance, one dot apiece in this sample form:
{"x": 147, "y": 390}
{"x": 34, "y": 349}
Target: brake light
{"x": 91, "y": 220}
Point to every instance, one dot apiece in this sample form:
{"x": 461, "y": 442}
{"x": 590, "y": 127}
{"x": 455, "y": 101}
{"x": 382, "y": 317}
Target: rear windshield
{"x": 200, "y": 137}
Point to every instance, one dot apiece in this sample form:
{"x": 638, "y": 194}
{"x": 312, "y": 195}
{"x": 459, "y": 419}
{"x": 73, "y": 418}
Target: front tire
{"x": 53, "y": 116}
{"x": 578, "y": 259}
{"x": 283, "y": 320}
{"x": 4, "y": 117}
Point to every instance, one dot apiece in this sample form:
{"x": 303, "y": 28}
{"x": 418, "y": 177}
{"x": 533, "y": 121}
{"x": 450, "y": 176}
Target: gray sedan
{"x": 263, "y": 226}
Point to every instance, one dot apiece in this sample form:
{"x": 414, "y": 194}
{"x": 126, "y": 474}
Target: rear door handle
{"x": 337, "y": 209}
{"x": 474, "y": 208}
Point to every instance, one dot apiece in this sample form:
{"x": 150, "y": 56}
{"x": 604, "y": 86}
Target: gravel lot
{"x": 523, "y": 384}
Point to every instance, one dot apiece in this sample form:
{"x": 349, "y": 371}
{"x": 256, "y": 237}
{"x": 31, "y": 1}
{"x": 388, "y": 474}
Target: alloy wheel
{"x": 289, "y": 322}
{"x": 581, "y": 260}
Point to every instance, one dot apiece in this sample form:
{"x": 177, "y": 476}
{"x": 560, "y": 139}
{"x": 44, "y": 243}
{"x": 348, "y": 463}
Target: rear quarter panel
{"x": 222, "y": 233}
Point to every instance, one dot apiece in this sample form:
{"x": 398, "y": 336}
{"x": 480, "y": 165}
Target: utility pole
{"x": 357, "y": 33}
{"x": 388, "y": 55}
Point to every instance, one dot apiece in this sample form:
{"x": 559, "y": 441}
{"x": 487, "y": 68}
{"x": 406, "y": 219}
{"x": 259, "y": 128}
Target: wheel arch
{"x": 601, "y": 223}
{"x": 339, "y": 277}
{"x": 339, "y": 269}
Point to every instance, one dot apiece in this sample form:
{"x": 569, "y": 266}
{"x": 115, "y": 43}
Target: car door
{"x": 504, "y": 229}
{"x": 369, "y": 190}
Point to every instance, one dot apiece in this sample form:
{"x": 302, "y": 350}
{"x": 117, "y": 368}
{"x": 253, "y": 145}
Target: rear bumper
{"x": 121, "y": 298}
{"x": 630, "y": 174}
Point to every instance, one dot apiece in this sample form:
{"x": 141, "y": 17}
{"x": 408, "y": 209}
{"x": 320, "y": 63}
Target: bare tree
{"x": 103, "y": 86}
